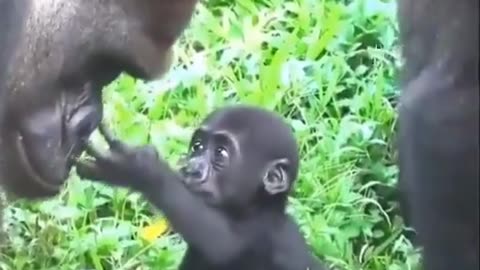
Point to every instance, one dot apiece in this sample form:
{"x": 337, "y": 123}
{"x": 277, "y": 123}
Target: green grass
{"x": 329, "y": 67}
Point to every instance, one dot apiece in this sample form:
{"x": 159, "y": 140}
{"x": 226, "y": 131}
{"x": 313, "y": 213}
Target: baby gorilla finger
{"x": 92, "y": 151}
{"x": 113, "y": 142}
{"x": 90, "y": 170}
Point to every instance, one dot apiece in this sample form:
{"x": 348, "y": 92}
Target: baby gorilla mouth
{"x": 30, "y": 168}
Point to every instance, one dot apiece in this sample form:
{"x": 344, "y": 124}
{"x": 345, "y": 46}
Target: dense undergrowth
{"x": 330, "y": 67}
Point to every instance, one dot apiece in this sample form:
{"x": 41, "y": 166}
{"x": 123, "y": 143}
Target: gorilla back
{"x": 56, "y": 55}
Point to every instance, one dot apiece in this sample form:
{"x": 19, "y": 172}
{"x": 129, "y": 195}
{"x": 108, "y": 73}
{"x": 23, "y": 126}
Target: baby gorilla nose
{"x": 196, "y": 170}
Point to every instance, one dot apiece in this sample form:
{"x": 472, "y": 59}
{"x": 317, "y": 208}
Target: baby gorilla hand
{"x": 122, "y": 165}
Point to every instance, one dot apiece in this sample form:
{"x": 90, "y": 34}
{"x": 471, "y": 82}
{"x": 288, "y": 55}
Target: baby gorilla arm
{"x": 141, "y": 169}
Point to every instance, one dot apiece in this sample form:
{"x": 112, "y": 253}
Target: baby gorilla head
{"x": 239, "y": 154}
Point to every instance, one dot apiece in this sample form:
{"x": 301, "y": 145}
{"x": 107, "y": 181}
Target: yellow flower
{"x": 154, "y": 230}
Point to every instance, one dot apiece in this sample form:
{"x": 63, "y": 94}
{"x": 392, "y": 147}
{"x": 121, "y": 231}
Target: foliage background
{"x": 328, "y": 66}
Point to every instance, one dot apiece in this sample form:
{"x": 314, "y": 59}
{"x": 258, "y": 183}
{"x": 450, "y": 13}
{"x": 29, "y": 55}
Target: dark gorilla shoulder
{"x": 228, "y": 199}
{"x": 55, "y": 57}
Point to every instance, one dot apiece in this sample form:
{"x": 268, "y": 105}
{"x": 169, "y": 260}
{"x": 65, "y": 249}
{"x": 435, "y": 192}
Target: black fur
{"x": 439, "y": 123}
{"x": 228, "y": 201}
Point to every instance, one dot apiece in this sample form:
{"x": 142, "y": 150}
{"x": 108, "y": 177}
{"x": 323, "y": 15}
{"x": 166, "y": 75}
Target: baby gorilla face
{"x": 238, "y": 154}
{"x": 206, "y": 167}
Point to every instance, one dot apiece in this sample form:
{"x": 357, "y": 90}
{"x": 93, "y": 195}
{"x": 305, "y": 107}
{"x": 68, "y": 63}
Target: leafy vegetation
{"x": 328, "y": 66}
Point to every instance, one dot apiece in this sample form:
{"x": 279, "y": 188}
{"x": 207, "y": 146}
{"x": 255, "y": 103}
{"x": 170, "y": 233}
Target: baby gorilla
{"x": 228, "y": 200}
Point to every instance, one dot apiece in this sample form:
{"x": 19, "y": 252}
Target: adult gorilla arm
{"x": 56, "y": 55}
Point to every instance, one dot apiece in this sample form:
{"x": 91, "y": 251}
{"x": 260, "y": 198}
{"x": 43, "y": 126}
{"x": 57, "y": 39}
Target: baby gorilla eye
{"x": 221, "y": 154}
{"x": 197, "y": 146}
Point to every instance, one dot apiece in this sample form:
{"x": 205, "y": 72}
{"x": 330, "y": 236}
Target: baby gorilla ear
{"x": 276, "y": 179}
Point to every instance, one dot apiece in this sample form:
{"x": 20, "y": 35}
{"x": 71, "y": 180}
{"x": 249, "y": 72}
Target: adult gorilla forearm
{"x": 56, "y": 55}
